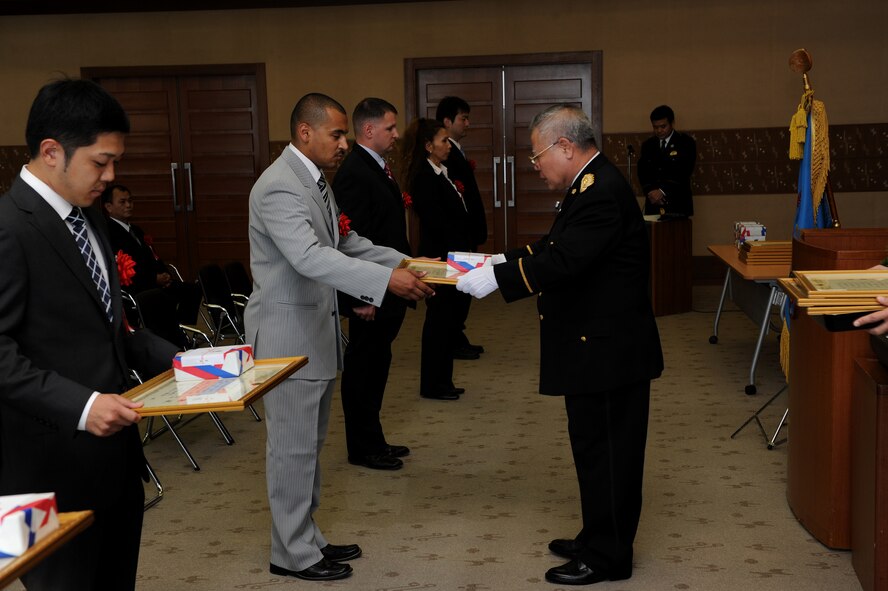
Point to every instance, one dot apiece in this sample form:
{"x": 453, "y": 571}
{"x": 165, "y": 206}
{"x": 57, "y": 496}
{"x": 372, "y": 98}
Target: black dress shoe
{"x": 465, "y": 353}
{"x": 457, "y": 390}
{"x": 565, "y": 548}
{"x": 377, "y": 462}
{"x": 577, "y": 573}
{"x": 323, "y": 570}
{"x": 397, "y": 451}
{"x": 475, "y": 348}
{"x": 341, "y": 553}
{"x": 446, "y": 395}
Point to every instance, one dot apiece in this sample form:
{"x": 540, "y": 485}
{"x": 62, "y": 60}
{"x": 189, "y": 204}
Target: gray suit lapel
{"x": 304, "y": 176}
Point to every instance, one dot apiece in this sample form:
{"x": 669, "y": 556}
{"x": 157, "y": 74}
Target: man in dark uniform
{"x": 453, "y": 112}
{"x": 600, "y": 347}
{"x": 368, "y": 194}
{"x": 665, "y": 167}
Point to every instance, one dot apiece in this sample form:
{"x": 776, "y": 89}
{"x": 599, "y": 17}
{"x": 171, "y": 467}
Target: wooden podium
{"x": 869, "y": 474}
{"x": 821, "y": 370}
{"x": 671, "y": 263}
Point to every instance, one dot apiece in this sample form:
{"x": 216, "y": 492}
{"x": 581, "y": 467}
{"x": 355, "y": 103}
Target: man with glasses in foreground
{"x": 600, "y": 347}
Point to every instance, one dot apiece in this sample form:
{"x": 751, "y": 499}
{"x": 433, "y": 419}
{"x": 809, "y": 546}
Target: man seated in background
{"x": 151, "y": 272}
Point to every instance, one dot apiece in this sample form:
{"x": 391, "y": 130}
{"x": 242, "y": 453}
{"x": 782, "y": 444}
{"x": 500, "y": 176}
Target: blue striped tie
{"x": 81, "y": 237}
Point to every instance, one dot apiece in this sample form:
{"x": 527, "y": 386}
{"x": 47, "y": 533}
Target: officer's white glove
{"x": 497, "y": 259}
{"x": 478, "y": 282}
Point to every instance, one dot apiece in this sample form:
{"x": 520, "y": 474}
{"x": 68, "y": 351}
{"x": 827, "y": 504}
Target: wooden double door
{"x": 505, "y": 93}
{"x": 198, "y": 142}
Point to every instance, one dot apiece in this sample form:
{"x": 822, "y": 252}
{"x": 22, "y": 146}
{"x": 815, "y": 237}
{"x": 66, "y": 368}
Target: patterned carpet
{"x": 490, "y": 480}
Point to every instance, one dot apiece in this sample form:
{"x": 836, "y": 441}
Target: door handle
{"x": 496, "y": 202}
{"x": 511, "y": 161}
{"x": 190, "y": 206}
{"x": 173, "y": 167}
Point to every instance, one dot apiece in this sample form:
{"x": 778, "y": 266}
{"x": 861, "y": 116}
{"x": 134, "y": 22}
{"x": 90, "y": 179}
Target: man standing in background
{"x": 665, "y": 167}
{"x": 368, "y": 194}
{"x": 453, "y": 112}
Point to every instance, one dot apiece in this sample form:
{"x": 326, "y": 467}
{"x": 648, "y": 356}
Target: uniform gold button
{"x": 551, "y": 242}
{"x": 583, "y": 339}
{"x": 541, "y": 316}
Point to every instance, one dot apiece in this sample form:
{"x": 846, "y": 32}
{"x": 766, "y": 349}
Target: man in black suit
{"x": 600, "y": 347}
{"x": 368, "y": 194}
{"x": 150, "y": 271}
{"x": 665, "y": 167}
{"x": 453, "y": 112}
{"x": 63, "y": 350}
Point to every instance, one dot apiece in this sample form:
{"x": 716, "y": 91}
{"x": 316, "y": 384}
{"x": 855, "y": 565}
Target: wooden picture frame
{"x": 163, "y": 395}
{"x": 862, "y": 284}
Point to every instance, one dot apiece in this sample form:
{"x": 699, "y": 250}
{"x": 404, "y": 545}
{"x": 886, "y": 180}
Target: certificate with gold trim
{"x": 867, "y": 283}
{"x": 436, "y": 271}
{"x": 163, "y": 395}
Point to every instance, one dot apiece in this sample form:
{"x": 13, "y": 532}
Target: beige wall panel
{"x": 719, "y": 64}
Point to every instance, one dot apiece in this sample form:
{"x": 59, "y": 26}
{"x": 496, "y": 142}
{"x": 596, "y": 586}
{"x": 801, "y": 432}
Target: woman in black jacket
{"x": 444, "y": 226}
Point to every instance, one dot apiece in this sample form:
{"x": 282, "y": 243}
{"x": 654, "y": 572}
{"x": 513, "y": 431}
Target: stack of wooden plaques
{"x": 763, "y": 252}
{"x": 837, "y": 292}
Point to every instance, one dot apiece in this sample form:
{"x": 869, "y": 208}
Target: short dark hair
{"x": 371, "y": 109}
{"x": 108, "y": 193}
{"x": 312, "y": 109}
{"x": 663, "y": 112}
{"x": 450, "y": 107}
{"x": 73, "y": 113}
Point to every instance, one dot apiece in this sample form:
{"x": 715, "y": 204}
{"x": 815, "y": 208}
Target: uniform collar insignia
{"x": 588, "y": 181}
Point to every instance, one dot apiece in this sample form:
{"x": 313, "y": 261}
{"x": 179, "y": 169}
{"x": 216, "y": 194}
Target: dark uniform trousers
{"x": 600, "y": 425}
{"x": 368, "y": 357}
{"x": 439, "y": 338}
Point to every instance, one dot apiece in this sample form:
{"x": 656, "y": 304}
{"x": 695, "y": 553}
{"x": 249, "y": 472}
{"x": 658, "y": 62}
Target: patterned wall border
{"x": 749, "y": 161}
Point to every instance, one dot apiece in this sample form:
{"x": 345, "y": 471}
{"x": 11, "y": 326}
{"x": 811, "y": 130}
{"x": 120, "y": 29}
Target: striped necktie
{"x": 81, "y": 237}
{"x": 322, "y": 187}
{"x": 388, "y": 171}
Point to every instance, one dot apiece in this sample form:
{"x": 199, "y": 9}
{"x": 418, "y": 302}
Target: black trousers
{"x": 608, "y": 432}
{"x": 105, "y": 556}
{"x": 464, "y": 302}
{"x": 366, "y": 364}
{"x": 439, "y": 337}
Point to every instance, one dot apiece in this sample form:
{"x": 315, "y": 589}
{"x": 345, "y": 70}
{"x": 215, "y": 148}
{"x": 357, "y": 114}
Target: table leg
{"x": 721, "y": 303}
{"x": 763, "y": 330}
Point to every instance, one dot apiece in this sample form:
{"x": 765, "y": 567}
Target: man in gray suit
{"x": 300, "y": 256}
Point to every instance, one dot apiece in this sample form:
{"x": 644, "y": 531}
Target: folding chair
{"x": 239, "y": 283}
{"x": 225, "y": 319}
{"x": 158, "y": 314}
{"x": 151, "y": 473}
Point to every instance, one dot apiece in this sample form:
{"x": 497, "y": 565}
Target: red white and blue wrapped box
{"x": 213, "y": 363}
{"x": 24, "y": 521}
{"x": 459, "y": 263}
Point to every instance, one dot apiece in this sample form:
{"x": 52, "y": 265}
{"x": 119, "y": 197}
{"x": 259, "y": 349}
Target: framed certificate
{"x": 436, "y": 271}
{"x": 70, "y": 524}
{"x": 855, "y": 284}
{"x": 447, "y": 272}
{"x": 163, "y": 395}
